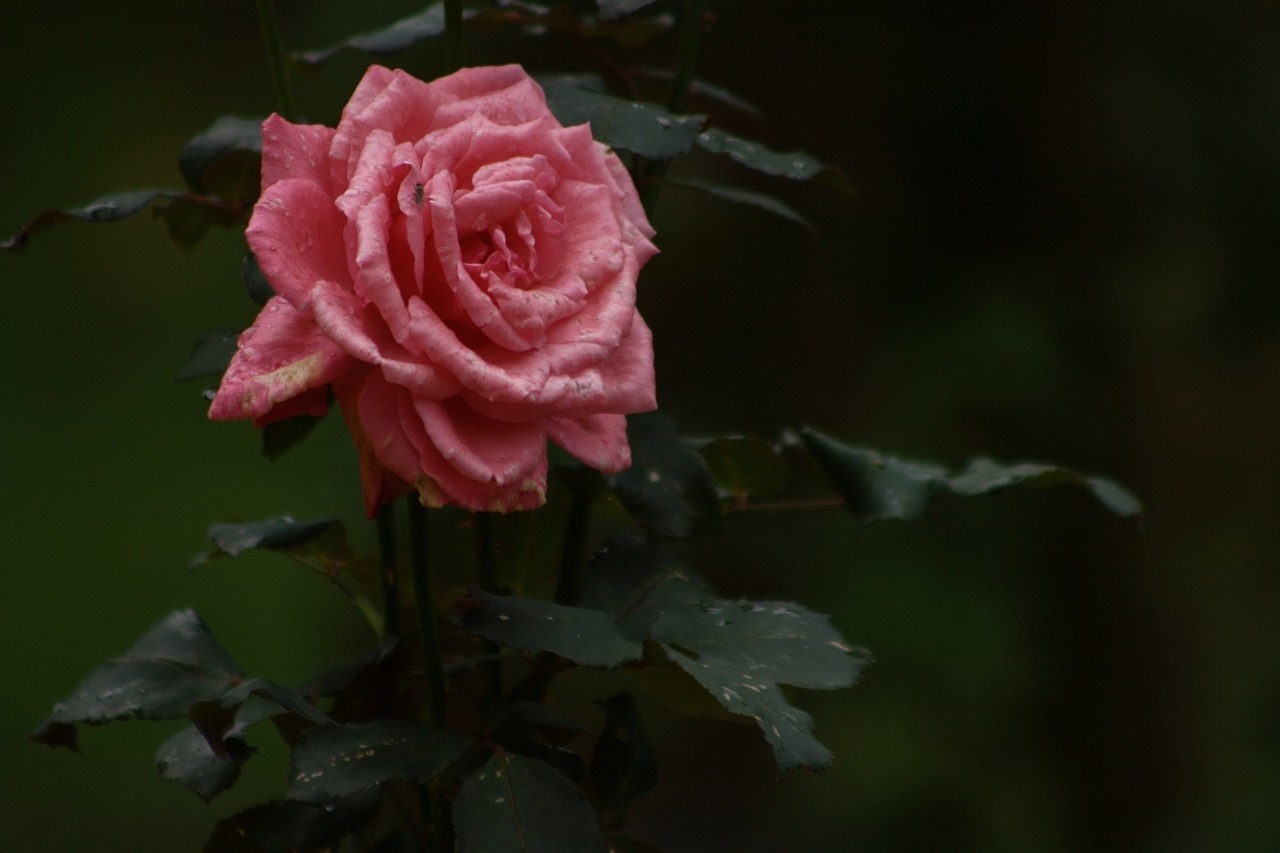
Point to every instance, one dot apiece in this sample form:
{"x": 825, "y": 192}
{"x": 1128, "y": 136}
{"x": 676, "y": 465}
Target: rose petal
{"x": 298, "y": 151}
{"x": 282, "y": 356}
{"x": 292, "y": 234}
{"x": 491, "y": 372}
{"x": 341, "y": 317}
{"x": 481, "y": 448}
{"x": 598, "y": 441}
{"x": 370, "y": 408}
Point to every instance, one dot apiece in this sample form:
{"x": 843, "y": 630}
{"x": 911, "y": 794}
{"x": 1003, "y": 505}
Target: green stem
{"x": 275, "y": 57}
{"x": 691, "y": 22}
{"x": 428, "y": 636}
{"x": 454, "y": 48}
{"x": 487, "y": 574}
{"x": 575, "y": 539}
{"x": 387, "y": 568}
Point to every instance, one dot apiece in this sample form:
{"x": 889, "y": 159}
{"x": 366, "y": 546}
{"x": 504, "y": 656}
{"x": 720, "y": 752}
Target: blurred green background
{"x": 1065, "y": 248}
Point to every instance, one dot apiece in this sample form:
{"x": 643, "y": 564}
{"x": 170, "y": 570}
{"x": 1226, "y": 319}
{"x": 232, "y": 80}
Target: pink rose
{"x": 460, "y": 269}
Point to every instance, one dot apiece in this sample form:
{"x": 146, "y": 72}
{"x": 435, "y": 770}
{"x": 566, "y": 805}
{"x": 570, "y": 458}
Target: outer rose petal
{"x": 598, "y": 441}
{"x": 295, "y": 235}
{"x": 281, "y": 357}
{"x": 295, "y": 151}
{"x": 492, "y": 452}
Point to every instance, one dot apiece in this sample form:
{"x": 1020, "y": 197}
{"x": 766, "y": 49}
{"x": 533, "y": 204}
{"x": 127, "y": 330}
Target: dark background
{"x": 1064, "y": 248}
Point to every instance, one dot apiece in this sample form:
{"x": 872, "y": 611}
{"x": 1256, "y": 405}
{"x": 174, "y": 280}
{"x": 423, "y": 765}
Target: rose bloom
{"x": 460, "y": 269}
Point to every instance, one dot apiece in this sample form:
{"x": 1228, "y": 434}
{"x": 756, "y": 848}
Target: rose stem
{"x": 454, "y": 51}
{"x": 575, "y": 538}
{"x": 275, "y": 57}
{"x": 487, "y": 572}
{"x": 691, "y": 24}
{"x": 433, "y": 669}
{"x": 387, "y": 566}
{"x": 426, "y": 600}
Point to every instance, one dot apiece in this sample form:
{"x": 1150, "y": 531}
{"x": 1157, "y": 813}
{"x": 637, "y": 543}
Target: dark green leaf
{"x": 641, "y": 128}
{"x": 623, "y": 762}
{"x": 259, "y": 289}
{"x": 985, "y": 475}
{"x": 188, "y": 758}
{"x": 702, "y": 89}
{"x": 611, "y": 9}
{"x": 519, "y": 803}
{"x": 278, "y": 534}
{"x": 737, "y": 195}
{"x": 225, "y": 160}
{"x": 287, "y": 826}
{"x": 278, "y": 437}
{"x": 740, "y": 651}
{"x": 876, "y": 487}
{"x": 518, "y": 721}
{"x": 634, "y": 580}
{"x": 188, "y": 217}
{"x": 668, "y": 488}
{"x": 175, "y": 665}
{"x": 795, "y": 164}
{"x": 744, "y": 466}
{"x": 333, "y": 761}
{"x": 210, "y": 356}
{"x": 391, "y": 39}
{"x": 587, "y": 637}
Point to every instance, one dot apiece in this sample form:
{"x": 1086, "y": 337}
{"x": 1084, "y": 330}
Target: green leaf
{"x": 278, "y": 437}
{"x": 700, "y": 88}
{"x": 794, "y": 164}
{"x": 519, "y": 803}
{"x": 985, "y": 475}
{"x": 668, "y": 489}
{"x": 875, "y": 486}
{"x": 278, "y": 534}
{"x": 390, "y": 39}
{"x": 634, "y": 580}
{"x": 613, "y": 9}
{"x": 741, "y": 651}
{"x": 175, "y": 665}
{"x": 176, "y": 670}
{"x": 210, "y": 356}
{"x": 641, "y": 128}
{"x": 187, "y": 215}
{"x": 188, "y": 758}
{"x": 225, "y": 160}
{"x": 587, "y": 637}
{"x": 744, "y": 466}
{"x": 737, "y": 195}
{"x": 623, "y": 762}
{"x": 333, "y": 761}
{"x": 286, "y": 826}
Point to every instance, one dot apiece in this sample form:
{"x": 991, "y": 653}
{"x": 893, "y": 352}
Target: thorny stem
{"x": 275, "y": 58}
{"x": 691, "y": 24}
{"x": 387, "y": 568}
{"x": 429, "y": 638}
{"x": 575, "y": 538}
{"x": 487, "y": 574}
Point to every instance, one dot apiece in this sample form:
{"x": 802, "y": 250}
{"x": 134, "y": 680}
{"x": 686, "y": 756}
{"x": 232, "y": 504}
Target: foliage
{"x": 505, "y": 768}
